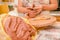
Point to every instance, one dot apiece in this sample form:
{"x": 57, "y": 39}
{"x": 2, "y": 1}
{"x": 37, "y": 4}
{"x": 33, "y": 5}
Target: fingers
{"x": 30, "y": 14}
{"x": 17, "y": 29}
{"x": 29, "y": 38}
{"x": 26, "y": 36}
{"x": 9, "y": 31}
{"x": 6, "y": 22}
{"x": 38, "y": 7}
{"x": 13, "y": 23}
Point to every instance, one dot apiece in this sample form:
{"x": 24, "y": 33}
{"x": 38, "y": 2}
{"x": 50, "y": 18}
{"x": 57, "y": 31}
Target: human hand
{"x": 31, "y": 14}
{"x": 19, "y": 29}
{"x": 38, "y": 9}
{"x": 29, "y": 8}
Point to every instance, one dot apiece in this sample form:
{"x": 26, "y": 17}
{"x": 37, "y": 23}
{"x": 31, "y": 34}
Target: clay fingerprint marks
{"x": 17, "y": 28}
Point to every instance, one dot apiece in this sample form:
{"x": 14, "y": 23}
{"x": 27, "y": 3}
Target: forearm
{"x": 22, "y": 10}
{"x": 50, "y": 7}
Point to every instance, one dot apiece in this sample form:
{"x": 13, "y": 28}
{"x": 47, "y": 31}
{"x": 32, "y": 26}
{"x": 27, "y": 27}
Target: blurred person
{"x": 35, "y": 7}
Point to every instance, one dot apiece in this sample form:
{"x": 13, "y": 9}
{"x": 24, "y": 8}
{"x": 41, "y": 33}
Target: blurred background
{"x": 9, "y": 5}
{"x": 16, "y": 1}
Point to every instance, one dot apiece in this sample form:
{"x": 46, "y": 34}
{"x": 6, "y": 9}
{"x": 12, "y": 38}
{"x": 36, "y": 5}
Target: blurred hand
{"x": 31, "y": 14}
{"x": 17, "y": 29}
{"x": 38, "y": 9}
